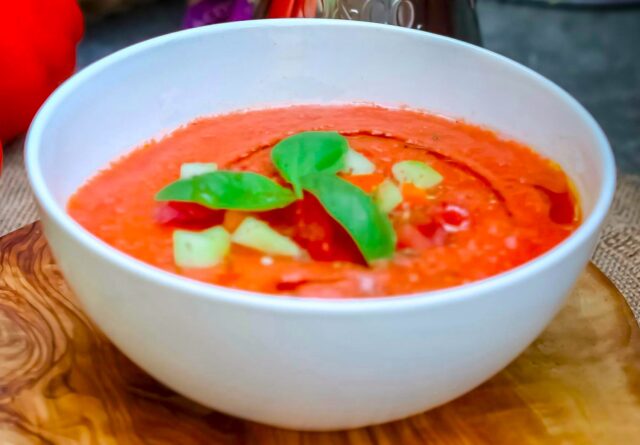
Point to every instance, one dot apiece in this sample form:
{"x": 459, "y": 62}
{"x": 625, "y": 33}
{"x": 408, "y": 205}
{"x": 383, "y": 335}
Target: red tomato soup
{"x": 497, "y": 203}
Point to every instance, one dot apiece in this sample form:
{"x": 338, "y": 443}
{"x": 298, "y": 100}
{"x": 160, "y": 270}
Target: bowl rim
{"x": 240, "y": 297}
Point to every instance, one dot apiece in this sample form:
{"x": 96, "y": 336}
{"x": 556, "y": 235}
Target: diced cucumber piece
{"x": 200, "y": 249}
{"x": 258, "y": 235}
{"x": 197, "y": 168}
{"x": 417, "y": 173}
{"x": 357, "y": 164}
{"x": 387, "y": 196}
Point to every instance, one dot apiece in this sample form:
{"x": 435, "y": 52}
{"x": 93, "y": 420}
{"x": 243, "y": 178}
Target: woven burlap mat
{"x": 16, "y": 203}
{"x": 617, "y": 255}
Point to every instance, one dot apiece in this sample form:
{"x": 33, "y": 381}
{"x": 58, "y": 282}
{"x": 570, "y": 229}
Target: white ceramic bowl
{"x": 309, "y": 364}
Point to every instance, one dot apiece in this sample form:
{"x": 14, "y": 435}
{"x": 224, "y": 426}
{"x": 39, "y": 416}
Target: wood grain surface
{"x": 62, "y": 382}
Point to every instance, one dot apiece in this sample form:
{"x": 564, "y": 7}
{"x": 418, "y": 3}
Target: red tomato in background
{"x": 38, "y": 40}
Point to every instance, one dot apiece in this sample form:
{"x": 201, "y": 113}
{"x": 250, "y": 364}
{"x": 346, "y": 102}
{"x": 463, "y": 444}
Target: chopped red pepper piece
{"x": 187, "y": 215}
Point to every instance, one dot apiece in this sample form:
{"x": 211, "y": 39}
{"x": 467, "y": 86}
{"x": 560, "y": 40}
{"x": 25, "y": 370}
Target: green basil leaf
{"x": 229, "y": 190}
{"x": 307, "y": 153}
{"x": 356, "y": 212}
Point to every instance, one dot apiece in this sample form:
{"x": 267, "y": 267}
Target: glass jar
{"x": 455, "y": 18}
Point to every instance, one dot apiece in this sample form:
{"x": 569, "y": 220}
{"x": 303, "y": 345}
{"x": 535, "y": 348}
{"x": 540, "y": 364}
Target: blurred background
{"x": 592, "y": 50}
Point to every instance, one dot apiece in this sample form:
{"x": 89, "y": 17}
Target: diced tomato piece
{"x": 285, "y": 285}
{"x": 283, "y": 218}
{"x": 316, "y": 231}
{"x": 420, "y": 235}
{"x": 367, "y": 183}
{"x": 322, "y": 236}
{"x": 427, "y": 226}
{"x": 454, "y": 218}
{"x": 187, "y": 215}
{"x": 429, "y": 229}
{"x": 410, "y": 237}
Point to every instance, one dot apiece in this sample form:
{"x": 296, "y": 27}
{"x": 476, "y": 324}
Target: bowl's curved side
{"x": 314, "y": 371}
{"x": 309, "y": 364}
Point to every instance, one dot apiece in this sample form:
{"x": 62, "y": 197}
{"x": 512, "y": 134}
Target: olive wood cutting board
{"x": 63, "y": 382}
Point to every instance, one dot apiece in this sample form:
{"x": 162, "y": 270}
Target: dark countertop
{"x": 594, "y": 53}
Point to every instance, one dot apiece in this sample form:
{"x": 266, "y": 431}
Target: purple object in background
{"x": 455, "y": 18}
{"x": 208, "y": 12}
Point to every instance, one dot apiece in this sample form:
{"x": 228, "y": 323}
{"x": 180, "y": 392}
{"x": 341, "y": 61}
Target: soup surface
{"x": 497, "y": 204}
